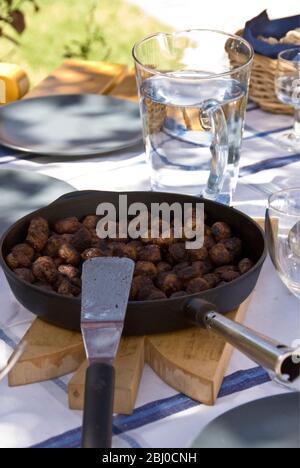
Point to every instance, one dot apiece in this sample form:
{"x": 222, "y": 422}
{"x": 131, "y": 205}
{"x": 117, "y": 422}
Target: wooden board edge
{"x": 125, "y": 398}
{"x": 202, "y": 387}
{"x": 40, "y": 368}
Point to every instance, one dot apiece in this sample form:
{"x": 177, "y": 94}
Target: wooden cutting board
{"x": 192, "y": 361}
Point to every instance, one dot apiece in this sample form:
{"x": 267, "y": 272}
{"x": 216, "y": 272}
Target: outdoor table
{"x": 38, "y": 414}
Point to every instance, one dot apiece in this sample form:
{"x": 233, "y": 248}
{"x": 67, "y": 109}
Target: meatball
{"x": 207, "y": 231}
{"x": 124, "y": 250}
{"x": 44, "y": 270}
{"x": 38, "y": 233}
{"x": 156, "y": 295}
{"x": 186, "y": 274}
{"x": 198, "y": 254}
{"x": 168, "y": 258}
{"x": 197, "y": 285}
{"x": 69, "y": 271}
{"x": 53, "y": 245}
{"x": 202, "y": 267}
{"x": 145, "y": 269}
{"x": 150, "y": 253}
{"x": 82, "y": 239}
{"x": 23, "y": 250}
{"x": 163, "y": 266}
{"x": 106, "y": 248}
{"x": 21, "y": 256}
{"x": 67, "y": 238}
{"x": 92, "y": 253}
{"x": 138, "y": 283}
{"x": 58, "y": 261}
{"x": 229, "y": 276}
{"x": 144, "y": 292}
{"x": 163, "y": 240}
{"x": 90, "y": 222}
{"x": 25, "y": 274}
{"x": 178, "y": 252}
{"x": 180, "y": 266}
{"x": 66, "y": 288}
{"x": 168, "y": 282}
{"x": 233, "y": 245}
{"x": 138, "y": 245}
{"x": 245, "y": 265}
{"x": 212, "y": 279}
{"x": 94, "y": 239}
{"x": 69, "y": 254}
{"x": 195, "y": 269}
{"x": 225, "y": 268}
{"x": 12, "y": 262}
{"x": 67, "y": 225}
{"x": 221, "y": 231}
{"x": 220, "y": 255}
{"x": 209, "y": 242}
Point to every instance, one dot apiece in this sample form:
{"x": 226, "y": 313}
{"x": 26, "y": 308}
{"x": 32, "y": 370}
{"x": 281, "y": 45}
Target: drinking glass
{"x": 193, "y": 88}
{"x": 287, "y": 85}
{"x": 283, "y": 235}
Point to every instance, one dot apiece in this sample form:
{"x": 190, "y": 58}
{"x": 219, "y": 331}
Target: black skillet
{"x": 150, "y": 317}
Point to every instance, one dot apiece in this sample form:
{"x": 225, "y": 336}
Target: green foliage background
{"x": 60, "y": 22}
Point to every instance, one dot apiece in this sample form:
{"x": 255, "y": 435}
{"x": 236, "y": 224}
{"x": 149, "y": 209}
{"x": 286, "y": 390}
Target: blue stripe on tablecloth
{"x": 264, "y": 134}
{"x": 7, "y": 339}
{"x": 271, "y": 163}
{"x": 255, "y": 134}
{"x": 61, "y": 384}
{"x": 64, "y": 387}
{"x": 161, "y": 409}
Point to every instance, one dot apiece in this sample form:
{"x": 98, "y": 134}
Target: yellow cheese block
{"x": 14, "y": 83}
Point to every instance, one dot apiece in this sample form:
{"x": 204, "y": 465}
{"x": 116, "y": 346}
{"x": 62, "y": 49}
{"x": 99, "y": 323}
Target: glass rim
{"x": 276, "y": 195}
{"x": 216, "y": 75}
{"x": 280, "y": 55}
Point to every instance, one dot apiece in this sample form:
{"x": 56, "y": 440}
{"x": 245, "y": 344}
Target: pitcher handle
{"x": 219, "y": 147}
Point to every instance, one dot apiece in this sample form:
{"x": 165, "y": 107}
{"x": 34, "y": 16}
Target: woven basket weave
{"x": 262, "y": 85}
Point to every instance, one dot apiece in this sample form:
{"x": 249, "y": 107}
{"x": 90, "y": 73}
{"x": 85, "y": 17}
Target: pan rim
{"x": 76, "y": 300}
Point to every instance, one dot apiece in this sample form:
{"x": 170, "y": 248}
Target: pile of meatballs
{"x": 51, "y": 258}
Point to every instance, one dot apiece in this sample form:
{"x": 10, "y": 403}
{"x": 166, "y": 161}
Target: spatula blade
{"x": 106, "y": 284}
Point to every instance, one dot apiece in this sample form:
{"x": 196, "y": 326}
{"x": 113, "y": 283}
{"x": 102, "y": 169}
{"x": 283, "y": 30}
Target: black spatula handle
{"x": 98, "y": 406}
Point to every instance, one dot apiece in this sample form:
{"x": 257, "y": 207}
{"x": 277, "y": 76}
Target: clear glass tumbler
{"x": 193, "y": 88}
{"x": 283, "y": 235}
{"x": 287, "y": 85}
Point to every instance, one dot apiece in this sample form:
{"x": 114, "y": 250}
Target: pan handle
{"x": 282, "y": 362}
{"x": 98, "y": 406}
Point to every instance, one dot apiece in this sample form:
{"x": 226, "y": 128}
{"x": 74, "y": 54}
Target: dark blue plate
{"x": 70, "y": 125}
{"x": 272, "y": 422}
{"x": 22, "y": 192}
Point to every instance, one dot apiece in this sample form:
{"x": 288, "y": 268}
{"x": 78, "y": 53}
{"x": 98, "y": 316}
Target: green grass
{"x": 59, "y": 22}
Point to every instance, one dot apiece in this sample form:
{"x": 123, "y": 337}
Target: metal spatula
{"x": 106, "y": 284}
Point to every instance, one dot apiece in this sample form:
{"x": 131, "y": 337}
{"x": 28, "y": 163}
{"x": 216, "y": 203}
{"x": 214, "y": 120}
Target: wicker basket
{"x": 262, "y": 85}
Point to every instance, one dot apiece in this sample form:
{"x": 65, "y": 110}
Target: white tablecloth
{"x": 38, "y": 415}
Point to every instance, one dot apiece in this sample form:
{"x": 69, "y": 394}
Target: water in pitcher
{"x": 178, "y": 132}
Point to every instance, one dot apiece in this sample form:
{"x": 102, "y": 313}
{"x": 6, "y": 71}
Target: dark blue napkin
{"x": 263, "y": 26}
